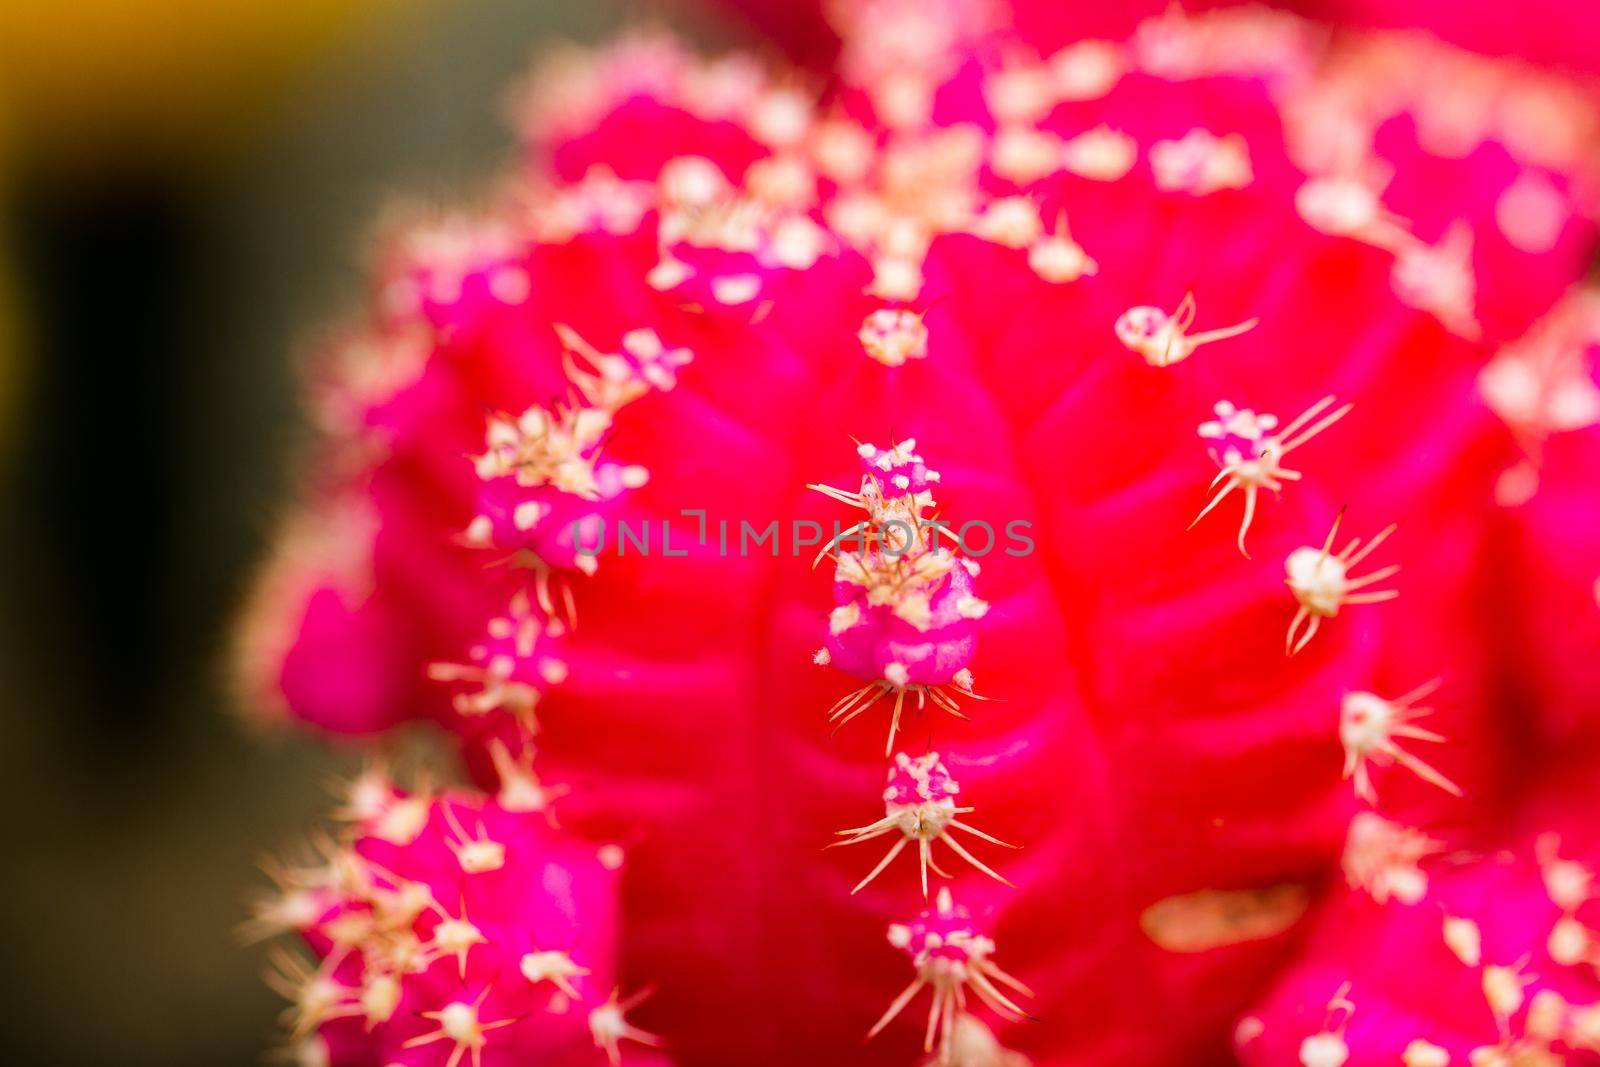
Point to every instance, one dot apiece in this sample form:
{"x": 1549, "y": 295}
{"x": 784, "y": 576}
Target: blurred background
{"x": 184, "y": 190}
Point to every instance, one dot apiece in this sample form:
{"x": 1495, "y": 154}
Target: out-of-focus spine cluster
{"x": 444, "y": 919}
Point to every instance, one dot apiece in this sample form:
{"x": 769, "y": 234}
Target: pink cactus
{"x": 448, "y": 930}
{"x": 565, "y": 484}
{"x": 1498, "y": 954}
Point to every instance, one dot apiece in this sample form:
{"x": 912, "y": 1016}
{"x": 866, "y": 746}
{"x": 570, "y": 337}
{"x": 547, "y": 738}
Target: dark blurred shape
{"x": 163, "y": 85}
{"x": 96, "y": 466}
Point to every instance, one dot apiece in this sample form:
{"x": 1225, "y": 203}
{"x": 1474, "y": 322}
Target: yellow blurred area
{"x": 84, "y": 80}
{"x": 91, "y": 89}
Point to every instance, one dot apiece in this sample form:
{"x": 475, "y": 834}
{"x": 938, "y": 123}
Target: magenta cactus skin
{"x": 922, "y": 780}
{"x": 449, "y": 929}
{"x": 1104, "y": 287}
{"x": 1505, "y": 939}
{"x": 932, "y": 650}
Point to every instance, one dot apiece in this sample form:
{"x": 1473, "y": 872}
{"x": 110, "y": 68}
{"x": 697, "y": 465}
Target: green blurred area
{"x": 164, "y": 283}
